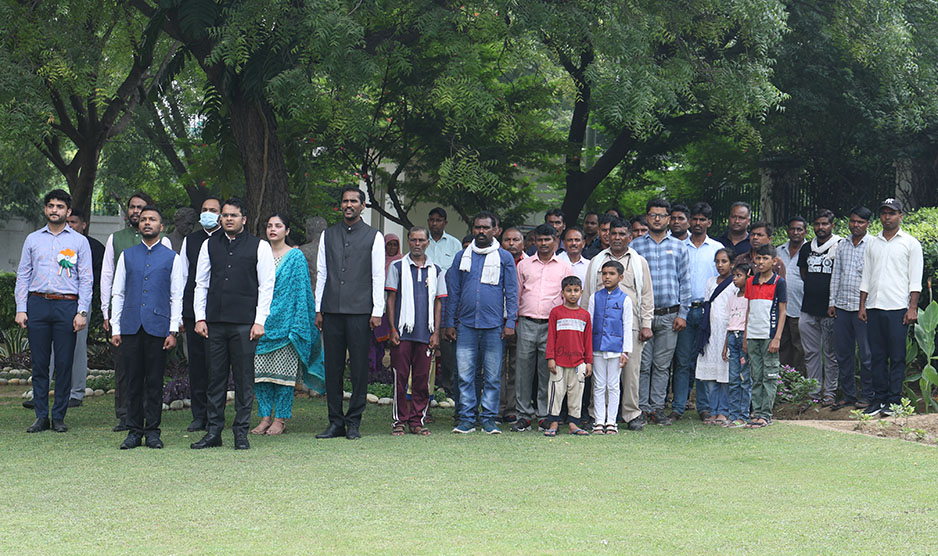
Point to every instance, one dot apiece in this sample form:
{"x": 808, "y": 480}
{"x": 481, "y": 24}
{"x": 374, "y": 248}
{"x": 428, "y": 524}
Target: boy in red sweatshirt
{"x": 569, "y": 356}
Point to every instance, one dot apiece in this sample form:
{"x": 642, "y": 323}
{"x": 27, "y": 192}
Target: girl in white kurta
{"x": 712, "y": 369}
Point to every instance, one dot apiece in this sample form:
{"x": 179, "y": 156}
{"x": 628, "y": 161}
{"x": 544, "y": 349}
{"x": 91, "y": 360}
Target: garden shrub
{"x": 7, "y": 300}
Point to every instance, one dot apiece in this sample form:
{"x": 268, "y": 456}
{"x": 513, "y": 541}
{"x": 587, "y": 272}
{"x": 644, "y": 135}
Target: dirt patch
{"x": 917, "y": 428}
{"x": 794, "y": 412}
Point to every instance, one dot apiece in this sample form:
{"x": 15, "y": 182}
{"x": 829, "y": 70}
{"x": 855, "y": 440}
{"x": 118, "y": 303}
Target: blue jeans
{"x": 717, "y": 393}
{"x": 686, "y": 365}
{"x": 50, "y": 328}
{"x": 740, "y": 385}
{"x": 887, "y": 354}
{"x": 475, "y": 345}
{"x": 850, "y": 339}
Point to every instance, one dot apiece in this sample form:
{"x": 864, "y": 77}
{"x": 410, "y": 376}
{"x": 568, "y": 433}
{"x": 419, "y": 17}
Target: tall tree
{"x": 74, "y": 72}
{"x": 246, "y": 47}
{"x": 642, "y": 70}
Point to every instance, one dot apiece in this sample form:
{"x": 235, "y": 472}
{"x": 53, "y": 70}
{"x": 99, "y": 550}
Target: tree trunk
{"x": 80, "y": 178}
{"x": 267, "y": 186}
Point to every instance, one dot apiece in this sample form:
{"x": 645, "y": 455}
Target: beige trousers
{"x": 567, "y": 381}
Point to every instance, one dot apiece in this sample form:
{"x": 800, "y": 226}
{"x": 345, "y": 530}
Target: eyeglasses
{"x": 653, "y": 216}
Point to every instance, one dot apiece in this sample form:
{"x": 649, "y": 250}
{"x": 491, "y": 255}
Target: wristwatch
{"x": 83, "y": 313}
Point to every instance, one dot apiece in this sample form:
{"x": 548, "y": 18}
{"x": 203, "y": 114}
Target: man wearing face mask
{"x": 197, "y": 345}
{"x": 115, "y": 245}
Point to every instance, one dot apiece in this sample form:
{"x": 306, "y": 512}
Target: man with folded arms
{"x": 53, "y": 294}
{"x": 146, "y": 312}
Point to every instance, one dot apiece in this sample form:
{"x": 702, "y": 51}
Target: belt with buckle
{"x": 667, "y": 310}
{"x": 539, "y": 321}
{"x": 56, "y": 296}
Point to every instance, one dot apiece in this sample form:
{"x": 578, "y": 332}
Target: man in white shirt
{"x": 149, "y": 282}
{"x": 701, "y": 250}
{"x": 234, "y": 285}
{"x": 574, "y": 243}
{"x": 113, "y": 247}
{"x": 889, "y": 291}
{"x": 792, "y": 352}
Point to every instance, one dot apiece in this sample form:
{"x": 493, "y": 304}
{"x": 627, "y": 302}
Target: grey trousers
{"x": 817, "y": 337}
{"x": 79, "y": 365}
{"x": 656, "y": 363}
{"x": 791, "y": 352}
{"x": 629, "y": 390}
{"x": 531, "y": 359}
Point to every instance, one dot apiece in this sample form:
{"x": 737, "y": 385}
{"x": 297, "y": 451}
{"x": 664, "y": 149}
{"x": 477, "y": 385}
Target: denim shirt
{"x": 476, "y": 305}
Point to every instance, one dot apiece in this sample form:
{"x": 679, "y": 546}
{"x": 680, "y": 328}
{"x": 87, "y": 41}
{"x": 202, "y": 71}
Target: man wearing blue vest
{"x": 146, "y": 312}
{"x": 234, "y": 285}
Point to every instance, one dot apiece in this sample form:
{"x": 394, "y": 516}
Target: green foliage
{"x": 924, "y": 333}
{"x": 7, "y": 299}
{"x": 794, "y": 388}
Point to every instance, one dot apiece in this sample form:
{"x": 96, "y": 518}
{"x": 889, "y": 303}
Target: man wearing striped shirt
{"x": 669, "y": 263}
{"x": 849, "y": 331}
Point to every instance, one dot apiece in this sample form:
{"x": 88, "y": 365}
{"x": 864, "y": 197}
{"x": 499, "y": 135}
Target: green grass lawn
{"x": 687, "y": 489}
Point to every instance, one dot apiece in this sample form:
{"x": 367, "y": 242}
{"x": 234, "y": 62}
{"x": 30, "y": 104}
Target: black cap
{"x": 894, "y": 204}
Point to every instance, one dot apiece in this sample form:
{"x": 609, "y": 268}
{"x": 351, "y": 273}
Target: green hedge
{"x": 7, "y": 300}
{"x": 921, "y": 223}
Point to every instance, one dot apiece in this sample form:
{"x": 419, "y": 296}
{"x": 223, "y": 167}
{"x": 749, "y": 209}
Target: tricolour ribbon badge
{"x": 66, "y": 259}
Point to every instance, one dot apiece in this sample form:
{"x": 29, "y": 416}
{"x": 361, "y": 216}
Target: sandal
{"x": 757, "y": 423}
{"x": 612, "y": 429}
{"x": 278, "y": 427}
{"x": 262, "y": 427}
{"x": 550, "y": 432}
{"x": 397, "y": 429}
{"x": 579, "y": 432}
{"x": 419, "y": 430}
{"x": 598, "y": 429}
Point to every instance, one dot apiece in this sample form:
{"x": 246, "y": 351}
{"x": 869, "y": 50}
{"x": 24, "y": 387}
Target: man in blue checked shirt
{"x": 668, "y": 263}
{"x": 481, "y": 311}
{"x": 53, "y": 295}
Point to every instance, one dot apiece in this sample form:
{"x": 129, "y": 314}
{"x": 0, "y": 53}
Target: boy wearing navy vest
{"x": 611, "y": 311}
{"x": 146, "y": 313}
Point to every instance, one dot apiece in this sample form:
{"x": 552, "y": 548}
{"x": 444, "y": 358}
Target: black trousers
{"x": 229, "y": 345}
{"x": 120, "y": 387}
{"x": 341, "y": 334}
{"x": 198, "y": 371}
{"x": 144, "y": 362}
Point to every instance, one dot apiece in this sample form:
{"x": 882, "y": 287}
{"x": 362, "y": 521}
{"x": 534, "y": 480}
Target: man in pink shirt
{"x": 539, "y": 291}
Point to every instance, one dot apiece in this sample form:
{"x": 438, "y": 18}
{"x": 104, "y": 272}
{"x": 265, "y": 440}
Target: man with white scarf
{"x": 481, "y": 311}
{"x": 816, "y": 264}
{"x": 415, "y": 287}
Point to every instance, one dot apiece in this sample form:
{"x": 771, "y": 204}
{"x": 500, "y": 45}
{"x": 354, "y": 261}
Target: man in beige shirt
{"x": 636, "y": 283}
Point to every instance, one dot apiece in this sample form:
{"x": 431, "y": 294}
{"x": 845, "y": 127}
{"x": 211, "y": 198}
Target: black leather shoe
{"x": 208, "y": 441}
{"x": 241, "y": 442}
{"x": 352, "y": 432}
{"x": 74, "y": 402}
{"x": 131, "y": 442}
{"x": 59, "y": 426}
{"x": 154, "y": 441}
{"x": 121, "y": 426}
{"x": 39, "y": 425}
{"x": 196, "y": 426}
{"x": 29, "y": 404}
{"x": 332, "y": 431}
